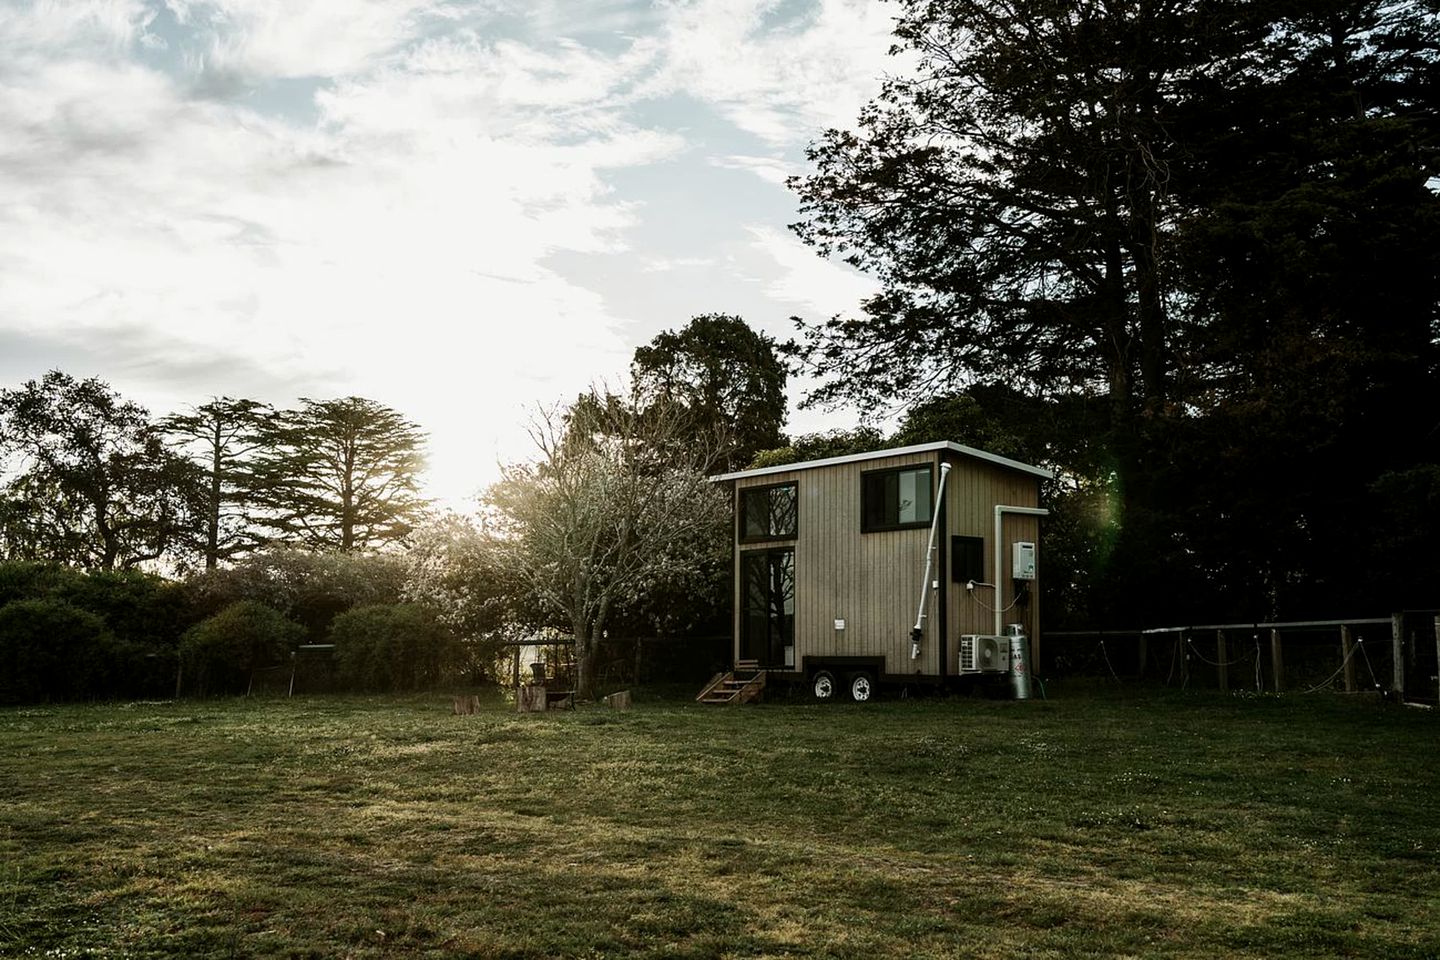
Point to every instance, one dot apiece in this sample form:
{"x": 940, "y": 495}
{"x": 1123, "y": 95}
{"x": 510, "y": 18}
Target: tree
{"x": 93, "y": 483}
{"x": 604, "y": 514}
{"x": 223, "y": 434}
{"x": 819, "y": 446}
{"x": 1201, "y": 238}
{"x": 453, "y": 569}
{"x": 341, "y": 475}
{"x": 726, "y": 375}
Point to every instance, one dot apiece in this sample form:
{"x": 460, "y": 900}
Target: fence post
{"x": 1437, "y": 659}
{"x": 1397, "y": 642}
{"x": 1347, "y": 650}
{"x": 1224, "y": 669}
{"x": 1145, "y": 649}
{"x": 1277, "y": 659}
{"x": 1184, "y": 642}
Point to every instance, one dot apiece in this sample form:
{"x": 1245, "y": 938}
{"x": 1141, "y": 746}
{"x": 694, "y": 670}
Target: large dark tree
{"x": 91, "y": 481}
{"x": 726, "y": 375}
{"x": 341, "y": 475}
{"x": 222, "y": 436}
{"x": 1212, "y": 223}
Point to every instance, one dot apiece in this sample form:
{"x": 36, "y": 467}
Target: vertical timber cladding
{"x": 869, "y": 580}
{"x": 975, "y": 487}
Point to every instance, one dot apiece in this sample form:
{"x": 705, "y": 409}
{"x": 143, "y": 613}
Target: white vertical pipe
{"x": 1000, "y": 511}
{"x": 929, "y": 562}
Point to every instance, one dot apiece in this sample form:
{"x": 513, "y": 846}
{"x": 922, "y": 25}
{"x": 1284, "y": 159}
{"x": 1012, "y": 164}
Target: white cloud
{"x": 779, "y": 73}
{"x": 818, "y": 287}
{"x": 398, "y": 248}
{"x": 299, "y": 38}
{"x": 770, "y": 169}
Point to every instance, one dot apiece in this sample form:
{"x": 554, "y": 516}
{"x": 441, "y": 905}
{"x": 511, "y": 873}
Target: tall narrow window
{"x": 768, "y": 513}
{"x": 895, "y": 499}
{"x": 767, "y": 580}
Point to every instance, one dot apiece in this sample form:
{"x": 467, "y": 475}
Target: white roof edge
{"x": 959, "y": 448}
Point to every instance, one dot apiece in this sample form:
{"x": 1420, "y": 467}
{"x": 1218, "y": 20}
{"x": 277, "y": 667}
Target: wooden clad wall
{"x": 872, "y": 580}
{"x": 975, "y": 488}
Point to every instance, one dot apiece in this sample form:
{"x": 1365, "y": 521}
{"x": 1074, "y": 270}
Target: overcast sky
{"x": 459, "y": 208}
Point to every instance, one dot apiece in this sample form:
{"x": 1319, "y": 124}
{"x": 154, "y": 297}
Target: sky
{"x": 461, "y": 209}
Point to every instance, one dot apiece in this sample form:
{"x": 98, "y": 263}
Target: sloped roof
{"x": 959, "y": 448}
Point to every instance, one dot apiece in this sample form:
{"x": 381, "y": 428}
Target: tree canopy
{"x": 340, "y": 474}
{"x": 728, "y": 378}
{"x": 1185, "y": 251}
{"x": 92, "y": 482}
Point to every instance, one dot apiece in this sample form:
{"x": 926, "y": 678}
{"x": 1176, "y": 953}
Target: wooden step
{"x": 738, "y": 686}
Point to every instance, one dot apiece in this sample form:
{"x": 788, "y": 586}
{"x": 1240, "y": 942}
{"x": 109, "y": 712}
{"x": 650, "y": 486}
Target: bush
{"x": 34, "y": 580}
{"x": 51, "y": 650}
{"x": 392, "y": 647}
{"x": 309, "y": 588}
{"x": 221, "y": 653}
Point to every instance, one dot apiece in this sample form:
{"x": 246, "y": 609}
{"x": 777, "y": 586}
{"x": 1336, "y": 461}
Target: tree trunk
{"x": 212, "y": 521}
{"x": 585, "y": 655}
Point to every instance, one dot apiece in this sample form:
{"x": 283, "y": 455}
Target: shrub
{"x": 51, "y": 650}
{"x": 221, "y": 653}
{"x": 34, "y": 579}
{"x": 309, "y": 588}
{"x": 392, "y": 647}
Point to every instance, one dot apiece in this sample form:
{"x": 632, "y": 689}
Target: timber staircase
{"x": 744, "y": 684}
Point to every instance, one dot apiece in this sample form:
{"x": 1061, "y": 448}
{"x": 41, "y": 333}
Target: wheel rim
{"x": 824, "y": 687}
{"x": 860, "y": 689}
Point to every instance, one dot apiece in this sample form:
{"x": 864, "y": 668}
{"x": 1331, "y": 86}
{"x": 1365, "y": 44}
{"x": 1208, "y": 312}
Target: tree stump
{"x": 530, "y": 699}
{"x": 619, "y": 701}
{"x": 466, "y": 706}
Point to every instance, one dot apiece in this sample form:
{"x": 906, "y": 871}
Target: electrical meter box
{"x": 1024, "y": 566}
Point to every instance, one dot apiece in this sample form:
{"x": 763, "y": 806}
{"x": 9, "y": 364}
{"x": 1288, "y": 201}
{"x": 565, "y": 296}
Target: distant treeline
{"x": 68, "y": 634}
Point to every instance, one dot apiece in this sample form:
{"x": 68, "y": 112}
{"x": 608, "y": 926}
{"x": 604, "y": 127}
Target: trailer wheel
{"x": 823, "y": 685}
{"x": 860, "y": 687}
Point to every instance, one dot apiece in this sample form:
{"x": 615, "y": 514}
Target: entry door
{"x": 768, "y": 626}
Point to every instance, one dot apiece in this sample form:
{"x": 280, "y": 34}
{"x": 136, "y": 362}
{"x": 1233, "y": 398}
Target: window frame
{"x": 865, "y": 481}
{"x": 741, "y": 536}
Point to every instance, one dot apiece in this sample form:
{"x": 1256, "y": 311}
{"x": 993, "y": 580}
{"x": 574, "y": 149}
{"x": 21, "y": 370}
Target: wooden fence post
{"x": 1347, "y": 651}
{"x": 1437, "y": 659}
{"x": 1224, "y": 669}
{"x": 1277, "y": 659}
{"x": 1397, "y": 643}
{"x": 1184, "y": 642}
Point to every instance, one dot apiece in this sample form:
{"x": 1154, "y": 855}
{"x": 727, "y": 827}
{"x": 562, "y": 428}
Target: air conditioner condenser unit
{"x": 982, "y": 653}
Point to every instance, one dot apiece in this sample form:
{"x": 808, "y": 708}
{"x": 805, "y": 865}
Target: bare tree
{"x": 607, "y": 512}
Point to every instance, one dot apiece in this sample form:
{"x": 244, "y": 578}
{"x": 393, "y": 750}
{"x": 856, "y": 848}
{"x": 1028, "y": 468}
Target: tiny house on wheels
{"x": 913, "y": 565}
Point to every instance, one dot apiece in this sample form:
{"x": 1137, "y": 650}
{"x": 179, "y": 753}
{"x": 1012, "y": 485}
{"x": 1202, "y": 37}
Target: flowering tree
{"x": 616, "y": 505}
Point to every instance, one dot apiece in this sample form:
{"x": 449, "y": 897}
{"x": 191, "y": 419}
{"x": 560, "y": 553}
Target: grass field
{"x": 1096, "y": 825}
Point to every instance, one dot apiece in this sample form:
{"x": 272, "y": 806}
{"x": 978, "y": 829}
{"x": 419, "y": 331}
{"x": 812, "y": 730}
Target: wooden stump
{"x": 530, "y": 699}
{"x": 466, "y": 706}
{"x": 619, "y": 701}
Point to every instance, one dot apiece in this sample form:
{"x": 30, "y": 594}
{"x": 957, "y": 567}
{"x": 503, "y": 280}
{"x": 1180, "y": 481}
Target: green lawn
{"x": 1148, "y": 825}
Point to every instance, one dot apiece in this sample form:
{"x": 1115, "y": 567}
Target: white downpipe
{"x": 935, "y": 509}
{"x": 1000, "y": 511}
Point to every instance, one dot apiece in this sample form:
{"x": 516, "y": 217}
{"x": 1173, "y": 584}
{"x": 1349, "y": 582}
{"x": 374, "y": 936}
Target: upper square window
{"x": 768, "y": 513}
{"x": 895, "y": 499}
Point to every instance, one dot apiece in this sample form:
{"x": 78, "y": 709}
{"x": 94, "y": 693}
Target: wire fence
{"x": 1397, "y": 655}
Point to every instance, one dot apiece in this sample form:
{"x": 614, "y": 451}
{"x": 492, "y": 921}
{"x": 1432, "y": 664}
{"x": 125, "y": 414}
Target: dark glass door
{"x": 768, "y": 625}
